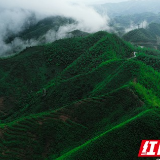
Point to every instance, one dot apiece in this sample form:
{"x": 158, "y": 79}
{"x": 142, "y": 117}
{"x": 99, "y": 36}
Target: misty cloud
{"x": 63, "y": 32}
{"x": 133, "y": 26}
{"x": 15, "y": 46}
{"x": 14, "y": 17}
{"x": 83, "y": 14}
{"x": 12, "y": 21}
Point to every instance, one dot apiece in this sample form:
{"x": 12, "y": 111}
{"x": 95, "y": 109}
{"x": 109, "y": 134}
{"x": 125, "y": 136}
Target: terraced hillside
{"x": 79, "y": 98}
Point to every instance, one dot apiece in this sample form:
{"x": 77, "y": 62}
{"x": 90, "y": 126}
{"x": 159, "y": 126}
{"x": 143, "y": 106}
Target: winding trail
{"x": 133, "y": 56}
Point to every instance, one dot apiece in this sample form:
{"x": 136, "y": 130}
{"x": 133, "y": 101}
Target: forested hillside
{"x": 148, "y": 37}
{"x": 79, "y": 98}
{"x": 140, "y": 35}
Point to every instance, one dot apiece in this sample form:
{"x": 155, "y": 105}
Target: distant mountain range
{"x": 129, "y": 7}
{"x": 140, "y": 18}
{"x": 149, "y": 37}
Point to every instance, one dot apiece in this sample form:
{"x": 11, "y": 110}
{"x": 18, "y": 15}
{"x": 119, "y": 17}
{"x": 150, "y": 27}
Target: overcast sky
{"x": 98, "y": 1}
{"x": 16, "y": 2}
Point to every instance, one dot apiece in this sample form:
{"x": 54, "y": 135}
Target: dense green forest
{"x": 140, "y": 35}
{"x": 80, "y": 98}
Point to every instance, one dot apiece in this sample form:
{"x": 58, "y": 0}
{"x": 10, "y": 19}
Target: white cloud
{"x": 13, "y": 14}
{"x": 82, "y": 13}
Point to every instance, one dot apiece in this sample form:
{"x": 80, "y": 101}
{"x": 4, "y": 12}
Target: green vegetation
{"x": 154, "y": 28}
{"x": 79, "y": 98}
{"x": 148, "y": 37}
{"x": 140, "y": 35}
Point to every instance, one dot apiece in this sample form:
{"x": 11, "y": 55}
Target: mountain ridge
{"x": 61, "y": 95}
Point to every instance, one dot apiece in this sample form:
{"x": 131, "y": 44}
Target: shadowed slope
{"x": 122, "y": 141}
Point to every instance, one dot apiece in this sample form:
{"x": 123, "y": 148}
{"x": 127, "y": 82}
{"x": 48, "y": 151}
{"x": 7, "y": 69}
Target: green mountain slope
{"x": 140, "y": 35}
{"x": 69, "y": 98}
{"x": 49, "y": 64}
{"x": 154, "y": 28}
{"x": 149, "y": 37}
{"x": 121, "y": 141}
{"x": 60, "y": 131}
